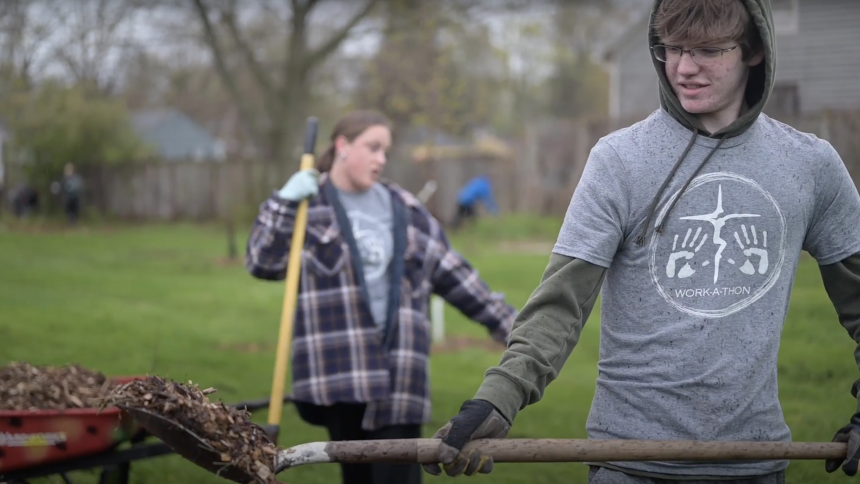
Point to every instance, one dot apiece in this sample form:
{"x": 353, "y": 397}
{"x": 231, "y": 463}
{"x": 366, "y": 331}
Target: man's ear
{"x": 756, "y": 59}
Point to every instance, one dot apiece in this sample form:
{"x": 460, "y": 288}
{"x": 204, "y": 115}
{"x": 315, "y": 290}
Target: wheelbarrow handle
{"x": 258, "y": 404}
{"x": 425, "y": 451}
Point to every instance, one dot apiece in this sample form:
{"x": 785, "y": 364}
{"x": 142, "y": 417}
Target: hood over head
{"x": 759, "y": 86}
{"x": 758, "y": 90}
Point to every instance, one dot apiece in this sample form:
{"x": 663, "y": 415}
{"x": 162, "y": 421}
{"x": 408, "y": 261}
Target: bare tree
{"x": 96, "y": 37}
{"x": 23, "y": 34}
{"x": 283, "y": 84}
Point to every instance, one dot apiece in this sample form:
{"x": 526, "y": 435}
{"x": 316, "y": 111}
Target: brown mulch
{"x": 27, "y": 387}
{"x": 229, "y": 431}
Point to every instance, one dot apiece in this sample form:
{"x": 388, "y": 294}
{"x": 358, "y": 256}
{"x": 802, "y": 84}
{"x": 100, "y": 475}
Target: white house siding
{"x": 823, "y": 57}
{"x": 818, "y": 48}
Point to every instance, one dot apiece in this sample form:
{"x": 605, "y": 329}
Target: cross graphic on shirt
{"x": 718, "y": 223}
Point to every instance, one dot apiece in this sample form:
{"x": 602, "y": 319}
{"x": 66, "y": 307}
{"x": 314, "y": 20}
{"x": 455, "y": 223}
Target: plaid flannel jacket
{"x": 338, "y": 352}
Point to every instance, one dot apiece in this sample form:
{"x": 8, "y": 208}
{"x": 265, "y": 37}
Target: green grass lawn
{"x": 161, "y": 300}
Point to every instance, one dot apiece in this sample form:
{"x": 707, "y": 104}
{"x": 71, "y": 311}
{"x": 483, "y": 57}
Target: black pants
{"x": 464, "y": 213}
{"x": 343, "y": 422}
{"x": 73, "y": 209}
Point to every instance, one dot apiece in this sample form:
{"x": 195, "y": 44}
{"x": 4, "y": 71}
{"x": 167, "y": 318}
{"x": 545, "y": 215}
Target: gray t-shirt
{"x": 372, "y": 227}
{"x": 691, "y": 321}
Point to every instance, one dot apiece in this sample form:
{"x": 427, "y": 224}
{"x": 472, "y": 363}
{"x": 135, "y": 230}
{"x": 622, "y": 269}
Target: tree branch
{"x": 334, "y": 42}
{"x": 228, "y": 80}
{"x": 229, "y": 20}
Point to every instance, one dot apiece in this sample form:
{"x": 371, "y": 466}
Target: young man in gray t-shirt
{"x": 690, "y": 224}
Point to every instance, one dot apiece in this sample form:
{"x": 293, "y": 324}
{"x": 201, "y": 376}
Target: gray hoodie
{"x": 692, "y": 239}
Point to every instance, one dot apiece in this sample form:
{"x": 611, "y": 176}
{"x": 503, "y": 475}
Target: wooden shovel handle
{"x": 291, "y": 291}
{"x": 582, "y": 450}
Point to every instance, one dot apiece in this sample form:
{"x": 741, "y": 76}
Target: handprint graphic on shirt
{"x": 707, "y": 270}
{"x": 752, "y": 249}
{"x": 686, "y": 253}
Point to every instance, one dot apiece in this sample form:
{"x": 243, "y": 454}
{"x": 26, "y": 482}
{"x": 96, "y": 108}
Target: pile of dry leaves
{"x": 27, "y": 387}
{"x": 229, "y": 431}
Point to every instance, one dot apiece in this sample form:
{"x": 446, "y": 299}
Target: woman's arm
{"x": 268, "y": 248}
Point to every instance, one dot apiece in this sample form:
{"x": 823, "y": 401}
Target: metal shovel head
{"x": 187, "y": 444}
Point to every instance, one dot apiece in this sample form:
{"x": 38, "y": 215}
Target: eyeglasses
{"x": 703, "y": 56}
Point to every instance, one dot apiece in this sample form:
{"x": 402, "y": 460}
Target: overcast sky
{"x": 143, "y": 28}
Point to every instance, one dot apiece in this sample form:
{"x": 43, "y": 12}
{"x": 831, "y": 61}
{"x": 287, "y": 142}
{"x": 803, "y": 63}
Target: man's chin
{"x": 695, "y": 107}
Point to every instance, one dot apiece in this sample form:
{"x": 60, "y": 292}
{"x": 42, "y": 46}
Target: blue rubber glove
{"x": 301, "y": 186}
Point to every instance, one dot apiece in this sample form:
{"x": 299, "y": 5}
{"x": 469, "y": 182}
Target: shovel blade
{"x": 187, "y": 444}
{"x": 272, "y": 432}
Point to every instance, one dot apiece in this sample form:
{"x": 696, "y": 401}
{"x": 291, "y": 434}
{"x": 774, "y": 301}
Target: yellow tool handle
{"x": 291, "y": 289}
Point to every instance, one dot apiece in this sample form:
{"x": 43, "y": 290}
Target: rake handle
{"x": 583, "y": 450}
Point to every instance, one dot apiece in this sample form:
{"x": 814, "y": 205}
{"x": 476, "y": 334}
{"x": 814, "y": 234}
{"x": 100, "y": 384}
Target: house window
{"x": 784, "y": 100}
{"x": 786, "y": 16}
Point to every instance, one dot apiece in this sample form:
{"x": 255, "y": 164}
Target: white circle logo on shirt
{"x": 722, "y": 248}
{"x": 372, "y": 244}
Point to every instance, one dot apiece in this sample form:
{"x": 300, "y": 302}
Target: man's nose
{"x": 686, "y": 64}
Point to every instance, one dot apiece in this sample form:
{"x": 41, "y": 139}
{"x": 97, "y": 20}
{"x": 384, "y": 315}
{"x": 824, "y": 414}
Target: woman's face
{"x": 358, "y": 164}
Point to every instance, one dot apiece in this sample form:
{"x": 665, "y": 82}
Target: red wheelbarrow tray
{"x": 30, "y": 438}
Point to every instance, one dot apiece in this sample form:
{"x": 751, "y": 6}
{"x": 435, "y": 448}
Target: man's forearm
{"x": 842, "y": 283}
{"x": 544, "y": 334}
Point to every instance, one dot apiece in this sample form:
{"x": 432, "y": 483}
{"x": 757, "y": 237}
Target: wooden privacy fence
{"x": 184, "y": 190}
{"x": 215, "y": 190}
{"x": 537, "y": 174}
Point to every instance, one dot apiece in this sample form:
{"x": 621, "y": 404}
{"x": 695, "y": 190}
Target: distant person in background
{"x": 2, "y": 182}
{"x": 25, "y": 200}
{"x": 72, "y": 188}
{"x": 477, "y": 190}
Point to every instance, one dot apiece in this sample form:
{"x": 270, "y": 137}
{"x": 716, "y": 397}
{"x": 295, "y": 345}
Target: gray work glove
{"x": 849, "y": 434}
{"x": 478, "y": 419}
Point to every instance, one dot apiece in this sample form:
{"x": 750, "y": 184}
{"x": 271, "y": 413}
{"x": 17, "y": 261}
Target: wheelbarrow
{"x": 40, "y": 437}
{"x": 41, "y": 443}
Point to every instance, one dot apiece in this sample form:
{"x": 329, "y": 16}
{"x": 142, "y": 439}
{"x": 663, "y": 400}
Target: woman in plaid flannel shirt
{"x": 372, "y": 257}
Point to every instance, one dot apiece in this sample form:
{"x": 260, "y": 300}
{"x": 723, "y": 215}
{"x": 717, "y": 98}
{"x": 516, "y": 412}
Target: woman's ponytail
{"x": 326, "y": 160}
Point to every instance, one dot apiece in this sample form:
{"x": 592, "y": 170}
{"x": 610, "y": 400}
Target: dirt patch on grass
{"x": 247, "y": 347}
{"x": 55, "y": 228}
{"x": 455, "y": 344}
{"x": 541, "y": 247}
{"x": 228, "y": 262}
{"x": 452, "y": 344}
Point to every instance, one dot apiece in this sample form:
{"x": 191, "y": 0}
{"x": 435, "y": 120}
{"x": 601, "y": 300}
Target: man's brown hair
{"x": 707, "y": 21}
